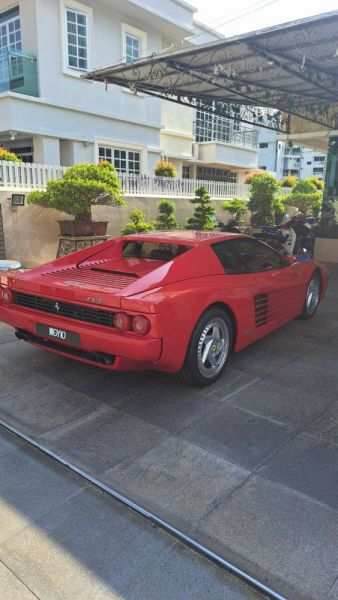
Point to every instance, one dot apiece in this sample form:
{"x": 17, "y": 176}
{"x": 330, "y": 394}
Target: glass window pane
{"x": 71, "y": 16}
{"x": 82, "y": 63}
{"x": 72, "y": 61}
{"x": 81, "y": 19}
{"x": 71, "y": 28}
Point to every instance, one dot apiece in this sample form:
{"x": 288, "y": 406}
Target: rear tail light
{"x": 141, "y": 325}
{"x": 6, "y": 296}
{"x": 122, "y": 321}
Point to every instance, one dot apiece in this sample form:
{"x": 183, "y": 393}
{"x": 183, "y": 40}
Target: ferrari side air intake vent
{"x": 261, "y": 303}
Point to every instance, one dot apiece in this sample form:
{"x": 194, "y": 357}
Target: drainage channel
{"x": 180, "y": 535}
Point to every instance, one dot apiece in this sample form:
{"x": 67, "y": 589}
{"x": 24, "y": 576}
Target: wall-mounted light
{"x": 18, "y": 200}
{"x": 13, "y": 135}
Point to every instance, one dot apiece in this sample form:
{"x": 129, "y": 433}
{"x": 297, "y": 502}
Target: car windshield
{"x": 153, "y": 250}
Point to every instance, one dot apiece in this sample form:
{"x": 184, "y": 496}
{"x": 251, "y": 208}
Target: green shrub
{"x": 166, "y": 216}
{"x": 252, "y": 174}
{"x": 137, "y": 223}
{"x": 263, "y": 193}
{"x": 319, "y": 183}
{"x": 306, "y": 197}
{"x": 289, "y": 181}
{"x": 164, "y": 168}
{"x": 236, "y": 207}
{"x": 204, "y": 213}
{"x": 8, "y": 156}
{"x": 82, "y": 187}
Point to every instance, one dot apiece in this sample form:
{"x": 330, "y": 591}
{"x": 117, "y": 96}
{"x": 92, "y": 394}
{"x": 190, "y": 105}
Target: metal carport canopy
{"x": 260, "y": 78}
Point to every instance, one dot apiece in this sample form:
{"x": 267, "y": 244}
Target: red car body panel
{"x": 172, "y": 294}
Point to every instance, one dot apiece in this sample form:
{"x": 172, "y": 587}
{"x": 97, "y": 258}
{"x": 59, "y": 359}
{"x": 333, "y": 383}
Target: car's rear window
{"x": 153, "y": 250}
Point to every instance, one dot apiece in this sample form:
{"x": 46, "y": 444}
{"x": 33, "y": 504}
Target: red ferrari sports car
{"x": 177, "y": 301}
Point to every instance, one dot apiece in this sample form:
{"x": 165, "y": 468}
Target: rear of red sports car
{"x": 109, "y": 305}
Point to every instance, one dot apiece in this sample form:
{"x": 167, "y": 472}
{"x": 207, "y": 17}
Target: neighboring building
{"x": 48, "y": 114}
{"x": 285, "y": 158}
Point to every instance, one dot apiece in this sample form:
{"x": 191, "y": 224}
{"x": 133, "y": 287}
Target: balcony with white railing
{"x": 24, "y": 177}
{"x": 213, "y": 128}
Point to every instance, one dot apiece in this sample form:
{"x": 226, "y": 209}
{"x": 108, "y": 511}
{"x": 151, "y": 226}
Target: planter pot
{"x": 81, "y": 228}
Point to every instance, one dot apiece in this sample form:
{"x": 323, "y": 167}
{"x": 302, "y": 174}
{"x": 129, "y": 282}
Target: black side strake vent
{"x": 261, "y": 303}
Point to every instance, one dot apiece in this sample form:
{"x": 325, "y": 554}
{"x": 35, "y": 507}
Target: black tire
{"x": 201, "y": 373}
{"x": 312, "y": 297}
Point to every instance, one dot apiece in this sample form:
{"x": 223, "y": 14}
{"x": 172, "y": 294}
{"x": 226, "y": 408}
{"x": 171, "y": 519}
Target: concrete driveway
{"x": 247, "y": 467}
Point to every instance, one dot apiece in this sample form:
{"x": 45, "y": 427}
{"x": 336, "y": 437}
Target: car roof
{"x": 186, "y": 237}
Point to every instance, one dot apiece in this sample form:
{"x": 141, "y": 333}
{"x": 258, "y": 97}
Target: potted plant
{"x": 164, "y": 168}
{"x": 263, "y": 192}
{"x": 8, "y": 156}
{"x": 83, "y": 186}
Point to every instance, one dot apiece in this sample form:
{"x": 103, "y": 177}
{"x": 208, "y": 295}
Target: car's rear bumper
{"x": 94, "y": 340}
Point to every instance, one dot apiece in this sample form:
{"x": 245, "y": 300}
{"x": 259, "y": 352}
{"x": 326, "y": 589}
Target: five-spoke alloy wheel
{"x": 312, "y": 297}
{"x": 209, "y": 348}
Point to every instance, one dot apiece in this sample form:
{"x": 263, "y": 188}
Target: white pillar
{"x": 46, "y": 150}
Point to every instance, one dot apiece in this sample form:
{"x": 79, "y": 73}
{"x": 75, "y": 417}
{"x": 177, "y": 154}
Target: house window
{"x": 319, "y": 158}
{"x": 186, "y": 172}
{"x": 263, "y": 145}
{"x": 318, "y": 170}
{"x": 133, "y": 48}
{"x": 77, "y": 39}
{"x": 134, "y": 43}
{"x": 262, "y": 167}
{"x": 212, "y": 174}
{"x": 124, "y": 161}
{"x": 309, "y": 162}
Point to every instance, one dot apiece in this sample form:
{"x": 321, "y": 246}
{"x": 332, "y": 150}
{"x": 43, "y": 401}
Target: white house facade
{"x": 50, "y": 115}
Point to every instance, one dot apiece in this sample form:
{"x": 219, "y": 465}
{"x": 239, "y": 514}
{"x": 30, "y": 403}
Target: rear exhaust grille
{"x": 261, "y": 304}
{"x": 65, "y": 309}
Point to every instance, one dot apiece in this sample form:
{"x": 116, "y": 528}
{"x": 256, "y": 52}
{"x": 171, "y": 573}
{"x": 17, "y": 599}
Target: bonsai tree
{"x": 278, "y": 210}
{"x": 236, "y": 207}
{"x": 166, "y": 217}
{"x": 263, "y": 192}
{"x": 137, "y": 223}
{"x": 306, "y": 197}
{"x": 82, "y": 187}
{"x": 289, "y": 181}
{"x": 165, "y": 169}
{"x": 204, "y": 215}
{"x": 8, "y": 156}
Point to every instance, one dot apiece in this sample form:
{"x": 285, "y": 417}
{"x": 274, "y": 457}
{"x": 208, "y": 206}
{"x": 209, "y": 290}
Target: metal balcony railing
{"x": 18, "y": 72}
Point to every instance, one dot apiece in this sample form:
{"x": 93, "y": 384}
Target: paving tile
{"x": 281, "y": 343}
{"x": 8, "y": 442}
{"x": 20, "y": 501}
{"x": 232, "y": 381}
{"x": 7, "y": 335}
{"x": 30, "y": 402}
{"x": 87, "y": 548}
{"x": 258, "y": 362}
{"x": 279, "y": 536}
{"x": 333, "y": 595}
{"x": 11, "y": 587}
{"x": 326, "y": 425}
{"x": 308, "y": 465}
{"x": 237, "y": 435}
{"x": 171, "y": 407}
{"x": 286, "y": 404}
{"x": 25, "y": 354}
{"x": 308, "y": 375}
{"x": 185, "y": 575}
{"x": 104, "y": 438}
{"x": 177, "y": 481}
{"x": 102, "y": 385}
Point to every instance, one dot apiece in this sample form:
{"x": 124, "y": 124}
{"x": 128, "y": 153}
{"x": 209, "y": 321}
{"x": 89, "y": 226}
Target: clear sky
{"x": 232, "y": 18}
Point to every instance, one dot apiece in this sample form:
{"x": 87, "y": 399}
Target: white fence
{"x": 26, "y": 177}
